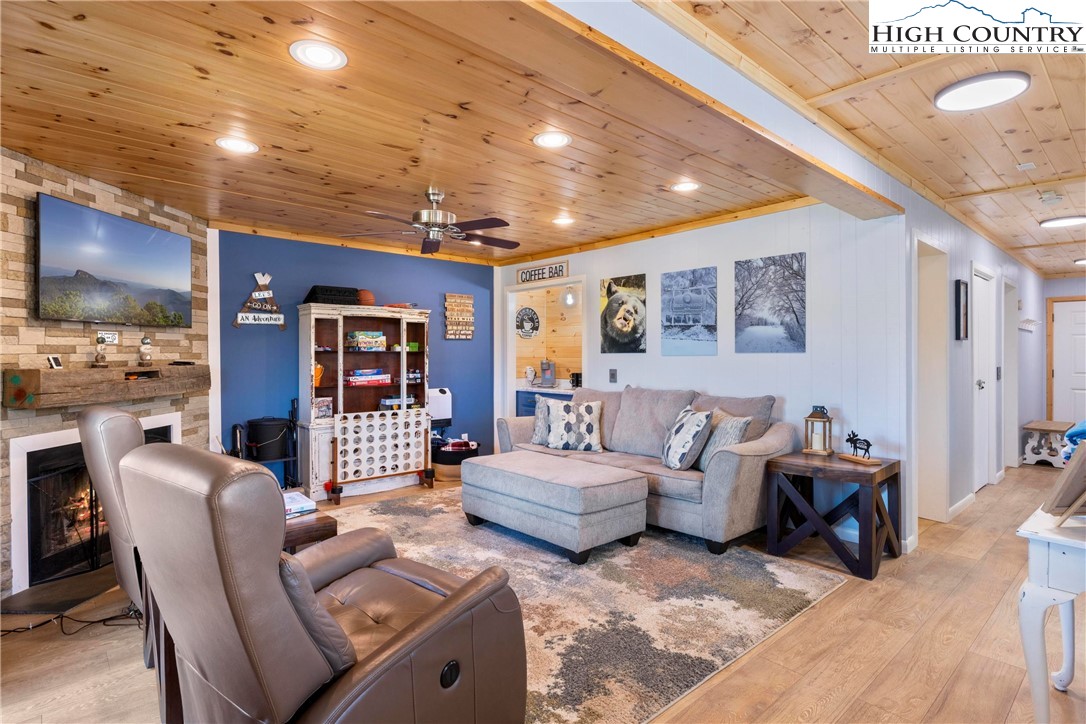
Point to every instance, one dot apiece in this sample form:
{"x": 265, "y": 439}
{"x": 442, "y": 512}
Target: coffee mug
{"x": 575, "y": 379}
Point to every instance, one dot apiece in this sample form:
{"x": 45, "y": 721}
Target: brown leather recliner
{"x": 345, "y": 631}
{"x": 107, "y": 435}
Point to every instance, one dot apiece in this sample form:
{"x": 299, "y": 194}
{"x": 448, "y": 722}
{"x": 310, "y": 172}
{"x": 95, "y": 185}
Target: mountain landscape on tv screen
{"x": 83, "y": 296}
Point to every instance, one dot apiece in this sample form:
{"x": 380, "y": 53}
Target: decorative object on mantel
{"x": 961, "y": 309}
{"x": 858, "y": 443}
{"x": 261, "y": 307}
{"x": 145, "y": 351}
{"x": 366, "y": 298}
{"x": 818, "y": 432}
{"x": 100, "y": 353}
{"x": 54, "y": 362}
{"x": 1028, "y": 325}
{"x": 26, "y": 389}
{"x": 459, "y": 316}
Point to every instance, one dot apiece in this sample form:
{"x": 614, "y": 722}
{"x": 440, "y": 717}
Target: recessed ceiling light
{"x": 982, "y": 91}
{"x": 318, "y": 54}
{"x": 552, "y": 139}
{"x": 1080, "y": 262}
{"x": 237, "y": 145}
{"x": 685, "y": 186}
{"x": 473, "y": 242}
{"x": 562, "y": 221}
{"x": 1062, "y": 221}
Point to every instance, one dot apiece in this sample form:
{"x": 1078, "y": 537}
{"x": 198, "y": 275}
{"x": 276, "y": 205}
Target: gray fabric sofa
{"x": 725, "y": 501}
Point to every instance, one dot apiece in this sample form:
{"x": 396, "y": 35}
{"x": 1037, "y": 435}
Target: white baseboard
{"x": 961, "y": 505}
{"x": 999, "y": 476}
{"x": 909, "y": 544}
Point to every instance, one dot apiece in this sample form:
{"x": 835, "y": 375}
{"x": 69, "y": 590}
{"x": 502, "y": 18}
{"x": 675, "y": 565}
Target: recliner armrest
{"x": 430, "y": 578}
{"x": 488, "y": 613}
{"x": 335, "y": 557}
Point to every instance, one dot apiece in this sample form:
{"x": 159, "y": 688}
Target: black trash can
{"x": 268, "y": 438}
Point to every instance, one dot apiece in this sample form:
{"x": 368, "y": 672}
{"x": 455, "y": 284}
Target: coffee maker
{"x": 546, "y": 373}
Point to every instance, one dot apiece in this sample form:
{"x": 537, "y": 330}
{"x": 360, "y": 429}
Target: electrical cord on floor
{"x": 129, "y": 613}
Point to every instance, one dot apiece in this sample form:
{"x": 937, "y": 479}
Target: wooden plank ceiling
{"x": 435, "y": 93}
{"x": 818, "y": 52}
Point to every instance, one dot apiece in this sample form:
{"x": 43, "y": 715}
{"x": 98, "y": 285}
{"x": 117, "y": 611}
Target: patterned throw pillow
{"x": 727, "y": 430}
{"x": 542, "y": 427}
{"x": 575, "y": 426}
{"x": 686, "y": 438}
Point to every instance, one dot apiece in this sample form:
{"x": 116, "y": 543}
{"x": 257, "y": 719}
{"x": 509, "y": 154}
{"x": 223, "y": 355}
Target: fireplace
{"x": 66, "y": 528}
{"x": 57, "y": 527}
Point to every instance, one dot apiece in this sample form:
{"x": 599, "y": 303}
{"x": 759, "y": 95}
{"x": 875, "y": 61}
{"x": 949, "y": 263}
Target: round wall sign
{"x": 527, "y": 322}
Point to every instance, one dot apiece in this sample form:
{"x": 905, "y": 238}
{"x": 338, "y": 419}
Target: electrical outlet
{"x": 613, "y": 376}
{"x": 107, "y": 337}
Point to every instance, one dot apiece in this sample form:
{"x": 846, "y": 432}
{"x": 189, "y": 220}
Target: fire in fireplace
{"x": 68, "y": 531}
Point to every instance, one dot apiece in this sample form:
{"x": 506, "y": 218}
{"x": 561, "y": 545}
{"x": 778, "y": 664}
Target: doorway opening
{"x": 1066, "y": 358}
{"x": 932, "y": 410}
{"x": 982, "y": 334}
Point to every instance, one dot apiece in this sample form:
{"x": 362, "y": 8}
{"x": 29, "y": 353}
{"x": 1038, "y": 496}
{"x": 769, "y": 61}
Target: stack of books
{"x": 295, "y": 504}
{"x": 366, "y": 342}
{"x": 359, "y": 378}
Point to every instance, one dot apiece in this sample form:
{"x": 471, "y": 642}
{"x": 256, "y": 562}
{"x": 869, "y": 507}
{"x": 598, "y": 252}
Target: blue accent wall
{"x": 260, "y": 363}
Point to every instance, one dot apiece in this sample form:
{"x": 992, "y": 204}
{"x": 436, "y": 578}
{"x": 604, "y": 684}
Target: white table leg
{"x": 1032, "y": 452}
{"x": 1033, "y": 601}
{"x": 1062, "y": 679}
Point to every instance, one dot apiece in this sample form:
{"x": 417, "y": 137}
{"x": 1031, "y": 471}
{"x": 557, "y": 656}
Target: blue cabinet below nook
{"x": 526, "y": 399}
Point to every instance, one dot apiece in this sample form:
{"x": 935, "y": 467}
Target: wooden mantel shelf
{"x": 32, "y": 389}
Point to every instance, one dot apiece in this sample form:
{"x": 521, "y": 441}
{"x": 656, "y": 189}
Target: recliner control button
{"x": 450, "y": 674}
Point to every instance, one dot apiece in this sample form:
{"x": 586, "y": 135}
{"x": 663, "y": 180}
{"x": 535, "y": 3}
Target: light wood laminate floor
{"x": 934, "y": 637}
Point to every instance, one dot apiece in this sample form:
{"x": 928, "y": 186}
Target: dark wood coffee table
{"x": 308, "y": 528}
{"x": 795, "y": 474}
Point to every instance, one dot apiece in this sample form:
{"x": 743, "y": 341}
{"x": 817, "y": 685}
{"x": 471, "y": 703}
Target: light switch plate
{"x": 613, "y": 376}
{"x": 108, "y": 337}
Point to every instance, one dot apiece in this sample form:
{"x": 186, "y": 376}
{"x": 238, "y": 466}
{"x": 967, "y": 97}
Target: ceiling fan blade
{"x": 381, "y": 215}
{"x": 430, "y": 246}
{"x": 492, "y": 241}
{"x": 476, "y": 224}
{"x": 378, "y": 233}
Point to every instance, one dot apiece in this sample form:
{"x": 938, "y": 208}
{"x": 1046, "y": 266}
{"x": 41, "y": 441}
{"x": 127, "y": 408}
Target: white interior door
{"x": 982, "y": 334}
{"x": 1069, "y": 361}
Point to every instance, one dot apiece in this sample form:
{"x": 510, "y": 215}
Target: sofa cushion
{"x": 645, "y": 417}
{"x": 574, "y": 426}
{"x": 686, "y": 438}
{"x": 567, "y": 485}
{"x": 759, "y": 409}
{"x": 532, "y": 447}
{"x": 682, "y": 484}
{"x": 610, "y": 403}
{"x": 727, "y": 430}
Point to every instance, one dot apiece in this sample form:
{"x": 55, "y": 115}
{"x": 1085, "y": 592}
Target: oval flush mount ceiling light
{"x": 552, "y": 139}
{"x": 318, "y": 55}
{"x": 1080, "y": 262}
{"x": 237, "y": 145}
{"x": 982, "y": 91}
{"x": 685, "y": 186}
{"x": 1062, "y": 221}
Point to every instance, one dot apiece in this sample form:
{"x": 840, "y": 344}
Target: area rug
{"x": 623, "y": 636}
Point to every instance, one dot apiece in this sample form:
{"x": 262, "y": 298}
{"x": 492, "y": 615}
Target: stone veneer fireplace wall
{"x": 26, "y": 340}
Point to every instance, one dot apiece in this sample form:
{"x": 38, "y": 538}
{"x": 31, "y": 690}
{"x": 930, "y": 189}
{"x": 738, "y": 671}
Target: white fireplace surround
{"x": 17, "y": 450}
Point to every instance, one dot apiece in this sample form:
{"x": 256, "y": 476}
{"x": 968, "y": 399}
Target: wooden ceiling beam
{"x": 1043, "y": 186}
{"x": 882, "y": 80}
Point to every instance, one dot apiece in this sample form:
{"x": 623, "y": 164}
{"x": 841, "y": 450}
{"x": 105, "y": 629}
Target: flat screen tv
{"x": 98, "y": 267}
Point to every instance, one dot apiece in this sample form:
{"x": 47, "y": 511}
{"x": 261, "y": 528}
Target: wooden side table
{"x": 791, "y": 492}
{"x": 308, "y": 528}
{"x": 1044, "y": 442}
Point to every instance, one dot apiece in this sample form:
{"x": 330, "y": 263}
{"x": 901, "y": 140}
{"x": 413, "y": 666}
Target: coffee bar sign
{"x": 543, "y": 272}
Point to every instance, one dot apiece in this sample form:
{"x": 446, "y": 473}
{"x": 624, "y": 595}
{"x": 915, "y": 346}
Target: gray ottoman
{"x": 572, "y": 504}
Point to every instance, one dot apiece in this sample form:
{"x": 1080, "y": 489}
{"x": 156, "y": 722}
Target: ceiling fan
{"x": 436, "y": 224}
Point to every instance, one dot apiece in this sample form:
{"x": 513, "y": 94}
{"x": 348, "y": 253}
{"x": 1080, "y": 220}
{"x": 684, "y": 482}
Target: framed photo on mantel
{"x": 961, "y": 309}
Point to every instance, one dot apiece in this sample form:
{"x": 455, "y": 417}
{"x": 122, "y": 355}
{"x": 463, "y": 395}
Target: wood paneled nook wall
{"x": 560, "y": 334}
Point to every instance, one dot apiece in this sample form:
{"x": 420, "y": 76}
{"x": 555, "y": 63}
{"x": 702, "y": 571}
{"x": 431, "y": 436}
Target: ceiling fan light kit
{"x": 318, "y": 55}
{"x": 435, "y": 224}
{"x": 1062, "y": 221}
{"x": 982, "y": 91}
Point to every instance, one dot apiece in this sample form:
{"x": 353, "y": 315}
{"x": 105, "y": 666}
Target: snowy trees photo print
{"x": 688, "y": 312}
{"x": 771, "y": 304}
